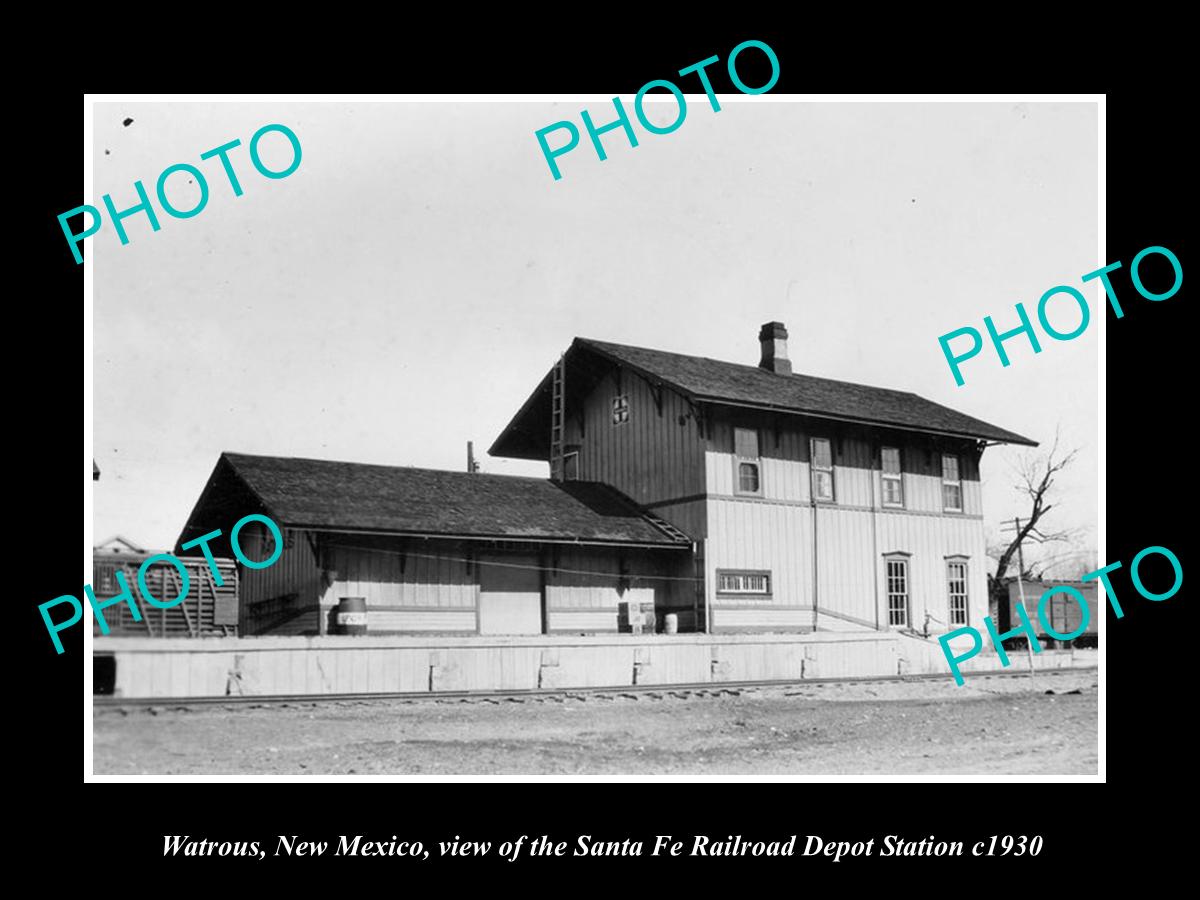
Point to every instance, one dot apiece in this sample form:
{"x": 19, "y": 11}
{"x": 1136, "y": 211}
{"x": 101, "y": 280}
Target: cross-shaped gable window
{"x": 620, "y": 410}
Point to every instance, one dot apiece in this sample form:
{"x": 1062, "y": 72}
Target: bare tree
{"x": 1072, "y": 564}
{"x": 1036, "y": 476}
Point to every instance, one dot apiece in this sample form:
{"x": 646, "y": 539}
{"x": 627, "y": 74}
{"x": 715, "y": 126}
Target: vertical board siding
{"x": 923, "y": 493}
{"x": 853, "y": 470}
{"x": 734, "y": 618}
{"x": 652, "y": 457}
{"x": 304, "y": 622}
{"x": 401, "y": 621}
{"x": 774, "y": 532}
{"x": 783, "y": 466}
{"x": 584, "y": 621}
{"x": 784, "y": 473}
{"x": 784, "y": 463}
{"x": 566, "y": 588}
{"x": 389, "y": 576}
{"x": 930, "y": 539}
{"x": 295, "y": 572}
{"x": 690, "y": 517}
{"x": 427, "y": 588}
{"x": 432, "y": 588}
{"x": 151, "y": 668}
{"x": 756, "y": 535}
{"x": 579, "y": 602}
{"x": 845, "y": 565}
{"x": 922, "y": 468}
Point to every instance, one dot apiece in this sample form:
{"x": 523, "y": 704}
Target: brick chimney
{"x": 773, "y": 337}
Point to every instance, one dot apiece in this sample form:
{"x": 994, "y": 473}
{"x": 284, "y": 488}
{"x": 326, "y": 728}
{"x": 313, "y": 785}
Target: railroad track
{"x": 633, "y": 692}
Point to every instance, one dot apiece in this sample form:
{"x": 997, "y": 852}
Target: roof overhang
{"x": 228, "y": 495}
{"x": 497, "y": 538}
{"x": 873, "y": 423}
{"x": 527, "y": 435}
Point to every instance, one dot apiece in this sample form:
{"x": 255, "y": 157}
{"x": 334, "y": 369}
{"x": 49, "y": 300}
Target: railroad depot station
{"x": 702, "y": 520}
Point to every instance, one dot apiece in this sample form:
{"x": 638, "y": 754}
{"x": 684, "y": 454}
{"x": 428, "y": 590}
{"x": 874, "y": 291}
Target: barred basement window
{"x": 752, "y": 583}
{"x": 893, "y": 483}
{"x": 956, "y": 573}
{"x": 897, "y": 591}
{"x": 620, "y": 410}
{"x": 822, "y": 469}
{"x": 951, "y": 484}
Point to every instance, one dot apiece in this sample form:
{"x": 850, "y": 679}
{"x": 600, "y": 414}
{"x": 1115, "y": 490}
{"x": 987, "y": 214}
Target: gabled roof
{"x": 342, "y": 496}
{"x": 117, "y": 544}
{"x": 713, "y": 381}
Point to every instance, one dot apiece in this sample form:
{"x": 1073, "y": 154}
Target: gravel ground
{"x": 991, "y": 725}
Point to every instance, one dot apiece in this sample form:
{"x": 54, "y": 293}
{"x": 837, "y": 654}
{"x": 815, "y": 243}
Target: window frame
{"x": 620, "y": 410}
{"x": 813, "y": 469}
{"x": 885, "y": 477}
{"x": 739, "y": 461}
{"x": 766, "y": 574}
{"x": 898, "y": 558}
{"x": 957, "y": 483}
{"x": 570, "y": 465}
{"x": 963, "y": 561}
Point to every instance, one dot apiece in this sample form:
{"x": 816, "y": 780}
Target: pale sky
{"x": 406, "y": 288}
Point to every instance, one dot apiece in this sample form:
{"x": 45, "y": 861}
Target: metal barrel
{"x": 352, "y": 615}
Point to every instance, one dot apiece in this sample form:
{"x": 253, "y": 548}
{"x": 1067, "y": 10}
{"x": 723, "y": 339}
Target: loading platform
{"x": 144, "y": 668}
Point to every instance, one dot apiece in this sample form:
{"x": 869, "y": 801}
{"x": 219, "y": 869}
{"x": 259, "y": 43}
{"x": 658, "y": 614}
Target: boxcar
{"x": 209, "y": 609}
{"x": 1063, "y": 612}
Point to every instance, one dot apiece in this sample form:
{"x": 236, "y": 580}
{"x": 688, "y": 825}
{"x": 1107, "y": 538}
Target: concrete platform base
{"x": 220, "y": 667}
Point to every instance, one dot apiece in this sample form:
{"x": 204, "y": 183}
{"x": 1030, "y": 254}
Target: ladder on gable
{"x": 557, "y": 418}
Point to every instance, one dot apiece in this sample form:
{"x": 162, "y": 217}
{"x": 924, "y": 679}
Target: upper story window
{"x": 620, "y": 410}
{"x": 951, "y": 484}
{"x": 893, "y": 479}
{"x": 956, "y": 582}
{"x": 746, "y": 461}
{"x": 822, "y": 469}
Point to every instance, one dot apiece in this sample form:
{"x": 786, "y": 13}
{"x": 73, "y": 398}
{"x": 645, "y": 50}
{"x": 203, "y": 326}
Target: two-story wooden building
{"x": 814, "y": 504}
{"x": 734, "y": 497}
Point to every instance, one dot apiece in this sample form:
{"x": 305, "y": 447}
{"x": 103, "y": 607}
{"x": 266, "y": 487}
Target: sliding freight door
{"x": 510, "y": 595}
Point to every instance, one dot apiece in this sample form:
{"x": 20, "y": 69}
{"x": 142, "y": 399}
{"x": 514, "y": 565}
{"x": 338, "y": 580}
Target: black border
{"x": 1147, "y": 407}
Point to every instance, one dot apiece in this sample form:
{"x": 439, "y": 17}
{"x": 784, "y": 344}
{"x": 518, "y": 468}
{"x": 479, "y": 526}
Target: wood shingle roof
{"x": 714, "y": 381}
{"x": 343, "y": 496}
